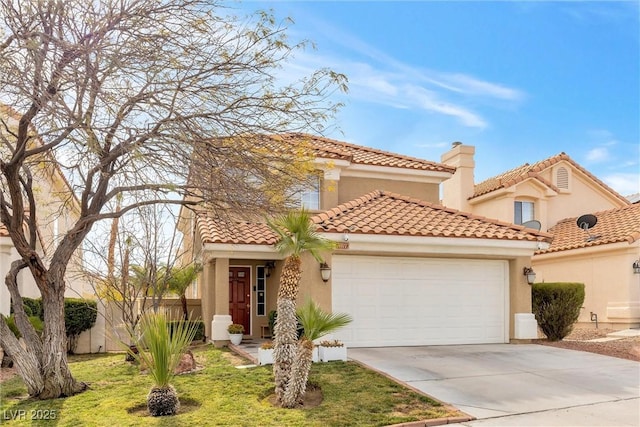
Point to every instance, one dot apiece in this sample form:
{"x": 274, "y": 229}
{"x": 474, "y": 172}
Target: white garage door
{"x": 418, "y": 301}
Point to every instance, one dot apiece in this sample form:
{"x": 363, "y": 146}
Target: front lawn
{"x": 219, "y": 394}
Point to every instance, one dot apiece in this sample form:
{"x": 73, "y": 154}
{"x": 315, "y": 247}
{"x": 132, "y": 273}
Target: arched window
{"x": 562, "y": 178}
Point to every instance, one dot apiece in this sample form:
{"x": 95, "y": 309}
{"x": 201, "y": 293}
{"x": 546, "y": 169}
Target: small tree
{"x": 557, "y": 307}
{"x": 178, "y": 281}
{"x": 296, "y": 236}
{"x": 316, "y": 323}
{"x": 161, "y": 346}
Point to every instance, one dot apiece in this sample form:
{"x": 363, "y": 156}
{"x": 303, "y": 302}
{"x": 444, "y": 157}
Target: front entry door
{"x": 240, "y": 296}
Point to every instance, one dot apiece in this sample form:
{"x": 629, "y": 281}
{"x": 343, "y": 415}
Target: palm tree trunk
{"x": 285, "y": 332}
{"x": 299, "y": 374}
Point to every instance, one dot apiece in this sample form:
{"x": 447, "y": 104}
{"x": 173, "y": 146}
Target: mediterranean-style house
{"x": 552, "y": 195}
{"x": 409, "y": 270}
{"x": 57, "y": 209}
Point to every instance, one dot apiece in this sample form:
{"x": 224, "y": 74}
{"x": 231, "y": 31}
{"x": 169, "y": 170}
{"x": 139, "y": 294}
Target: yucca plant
{"x": 317, "y": 323}
{"x": 160, "y": 350}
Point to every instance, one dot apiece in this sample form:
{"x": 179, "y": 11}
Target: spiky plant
{"x": 160, "y": 350}
{"x": 296, "y": 235}
{"x": 317, "y": 323}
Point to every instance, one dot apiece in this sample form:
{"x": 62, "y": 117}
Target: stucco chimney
{"x": 457, "y": 189}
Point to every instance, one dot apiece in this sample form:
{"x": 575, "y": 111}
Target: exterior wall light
{"x": 530, "y": 274}
{"x": 325, "y": 271}
{"x": 268, "y": 267}
{"x": 636, "y": 267}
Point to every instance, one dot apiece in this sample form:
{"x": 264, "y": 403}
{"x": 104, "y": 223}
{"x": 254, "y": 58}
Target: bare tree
{"x": 126, "y": 97}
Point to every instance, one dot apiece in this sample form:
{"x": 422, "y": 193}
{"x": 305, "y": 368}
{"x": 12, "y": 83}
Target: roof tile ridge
{"x": 501, "y": 223}
{"x": 346, "y": 206}
{"x": 596, "y": 179}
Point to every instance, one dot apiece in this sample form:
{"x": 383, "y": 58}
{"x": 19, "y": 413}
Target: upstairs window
{"x": 308, "y": 194}
{"x": 523, "y": 212}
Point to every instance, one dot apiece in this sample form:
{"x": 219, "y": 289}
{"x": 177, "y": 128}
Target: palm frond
{"x": 297, "y": 234}
{"x": 318, "y": 323}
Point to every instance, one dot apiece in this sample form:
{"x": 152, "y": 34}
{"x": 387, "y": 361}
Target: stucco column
{"x": 221, "y": 317}
{"x": 207, "y": 295}
{"x": 522, "y": 323}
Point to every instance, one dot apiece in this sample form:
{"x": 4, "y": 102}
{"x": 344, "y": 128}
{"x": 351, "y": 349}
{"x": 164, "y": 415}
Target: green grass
{"x": 220, "y": 394}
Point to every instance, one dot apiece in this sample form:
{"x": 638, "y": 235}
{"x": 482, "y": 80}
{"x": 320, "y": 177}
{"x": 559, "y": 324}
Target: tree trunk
{"x": 286, "y": 334}
{"x": 297, "y": 384}
{"x": 185, "y": 309}
{"x": 43, "y": 365}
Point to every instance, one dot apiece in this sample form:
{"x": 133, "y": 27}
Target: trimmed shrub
{"x": 79, "y": 316}
{"x": 35, "y": 321}
{"x": 32, "y": 306}
{"x": 557, "y": 307}
{"x": 198, "y": 324}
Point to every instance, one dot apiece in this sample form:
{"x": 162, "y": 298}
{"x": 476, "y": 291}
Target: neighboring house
{"x": 602, "y": 258}
{"x": 552, "y": 194}
{"x": 57, "y": 210}
{"x": 409, "y": 271}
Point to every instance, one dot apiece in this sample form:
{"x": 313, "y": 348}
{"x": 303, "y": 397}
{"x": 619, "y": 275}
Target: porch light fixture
{"x": 636, "y": 267}
{"x": 530, "y": 274}
{"x": 268, "y": 266}
{"x": 325, "y": 271}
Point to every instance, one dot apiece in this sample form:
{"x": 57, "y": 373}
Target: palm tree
{"x": 316, "y": 323}
{"x": 179, "y": 280}
{"x": 297, "y": 235}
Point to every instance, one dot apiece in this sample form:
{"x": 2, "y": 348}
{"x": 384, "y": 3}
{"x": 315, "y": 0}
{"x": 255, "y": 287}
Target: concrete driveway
{"x": 518, "y": 384}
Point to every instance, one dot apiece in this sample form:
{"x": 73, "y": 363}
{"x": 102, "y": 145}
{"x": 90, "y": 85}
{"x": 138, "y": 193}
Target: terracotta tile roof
{"x": 387, "y": 213}
{"x": 613, "y": 226}
{"x": 358, "y": 154}
{"x": 234, "y": 232}
{"x": 526, "y": 171}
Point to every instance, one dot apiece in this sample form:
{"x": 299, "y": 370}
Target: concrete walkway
{"x": 526, "y": 384}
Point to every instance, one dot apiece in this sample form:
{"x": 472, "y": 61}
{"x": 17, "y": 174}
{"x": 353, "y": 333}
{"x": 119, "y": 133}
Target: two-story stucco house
{"x": 553, "y": 194}
{"x": 409, "y": 271}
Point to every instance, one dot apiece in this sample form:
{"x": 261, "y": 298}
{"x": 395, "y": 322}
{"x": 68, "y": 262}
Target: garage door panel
{"x": 414, "y": 301}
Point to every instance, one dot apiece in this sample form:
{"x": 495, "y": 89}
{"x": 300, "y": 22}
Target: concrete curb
{"x": 240, "y": 352}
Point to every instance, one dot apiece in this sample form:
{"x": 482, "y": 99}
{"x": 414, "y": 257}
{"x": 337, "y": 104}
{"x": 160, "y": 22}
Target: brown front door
{"x": 240, "y": 296}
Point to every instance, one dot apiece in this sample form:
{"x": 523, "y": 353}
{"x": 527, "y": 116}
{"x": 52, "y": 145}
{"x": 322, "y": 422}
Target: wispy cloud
{"x": 598, "y": 155}
{"x": 377, "y": 77}
{"x": 624, "y": 183}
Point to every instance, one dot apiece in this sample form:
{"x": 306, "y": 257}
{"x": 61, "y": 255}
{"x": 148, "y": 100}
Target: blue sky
{"x": 522, "y": 81}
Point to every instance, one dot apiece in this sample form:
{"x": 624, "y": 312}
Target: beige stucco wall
{"x": 612, "y": 291}
{"x": 351, "y": 188}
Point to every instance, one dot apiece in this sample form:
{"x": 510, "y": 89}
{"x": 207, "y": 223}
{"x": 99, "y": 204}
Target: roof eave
{"x": 422, "y": 245}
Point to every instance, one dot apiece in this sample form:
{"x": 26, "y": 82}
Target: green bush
{"x": 35, "y": 321}
{"x": 273, "y": 316}
{"x": 198, "y": 324}
{"x": 32, "y": 307}
{"x": 557, "y": 307}
{"x": 79, "y": 316}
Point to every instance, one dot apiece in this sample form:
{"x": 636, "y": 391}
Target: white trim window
{"x": 523, "y": 211}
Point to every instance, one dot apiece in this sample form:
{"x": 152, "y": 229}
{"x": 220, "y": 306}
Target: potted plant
{"x": 265, "y": 353}
{"x": 333, "y": 350}
{"x": 235, "y": 333}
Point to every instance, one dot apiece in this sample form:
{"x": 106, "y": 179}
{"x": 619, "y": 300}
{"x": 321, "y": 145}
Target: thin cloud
{"x": 623, "y": 183}
{"x": 598, "y": 155}
{"x": 378, "y": 77}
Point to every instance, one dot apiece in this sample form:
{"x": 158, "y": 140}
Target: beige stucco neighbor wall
{"x": 612, "y": 291}
{"x": 519, "y": 291}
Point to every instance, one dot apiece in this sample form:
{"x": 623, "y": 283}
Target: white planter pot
{"x": 328, "y": 354}
{"x": 316, "y": 354}
{"x": 235, "y": 338}
{"x": 265, "y": 356}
